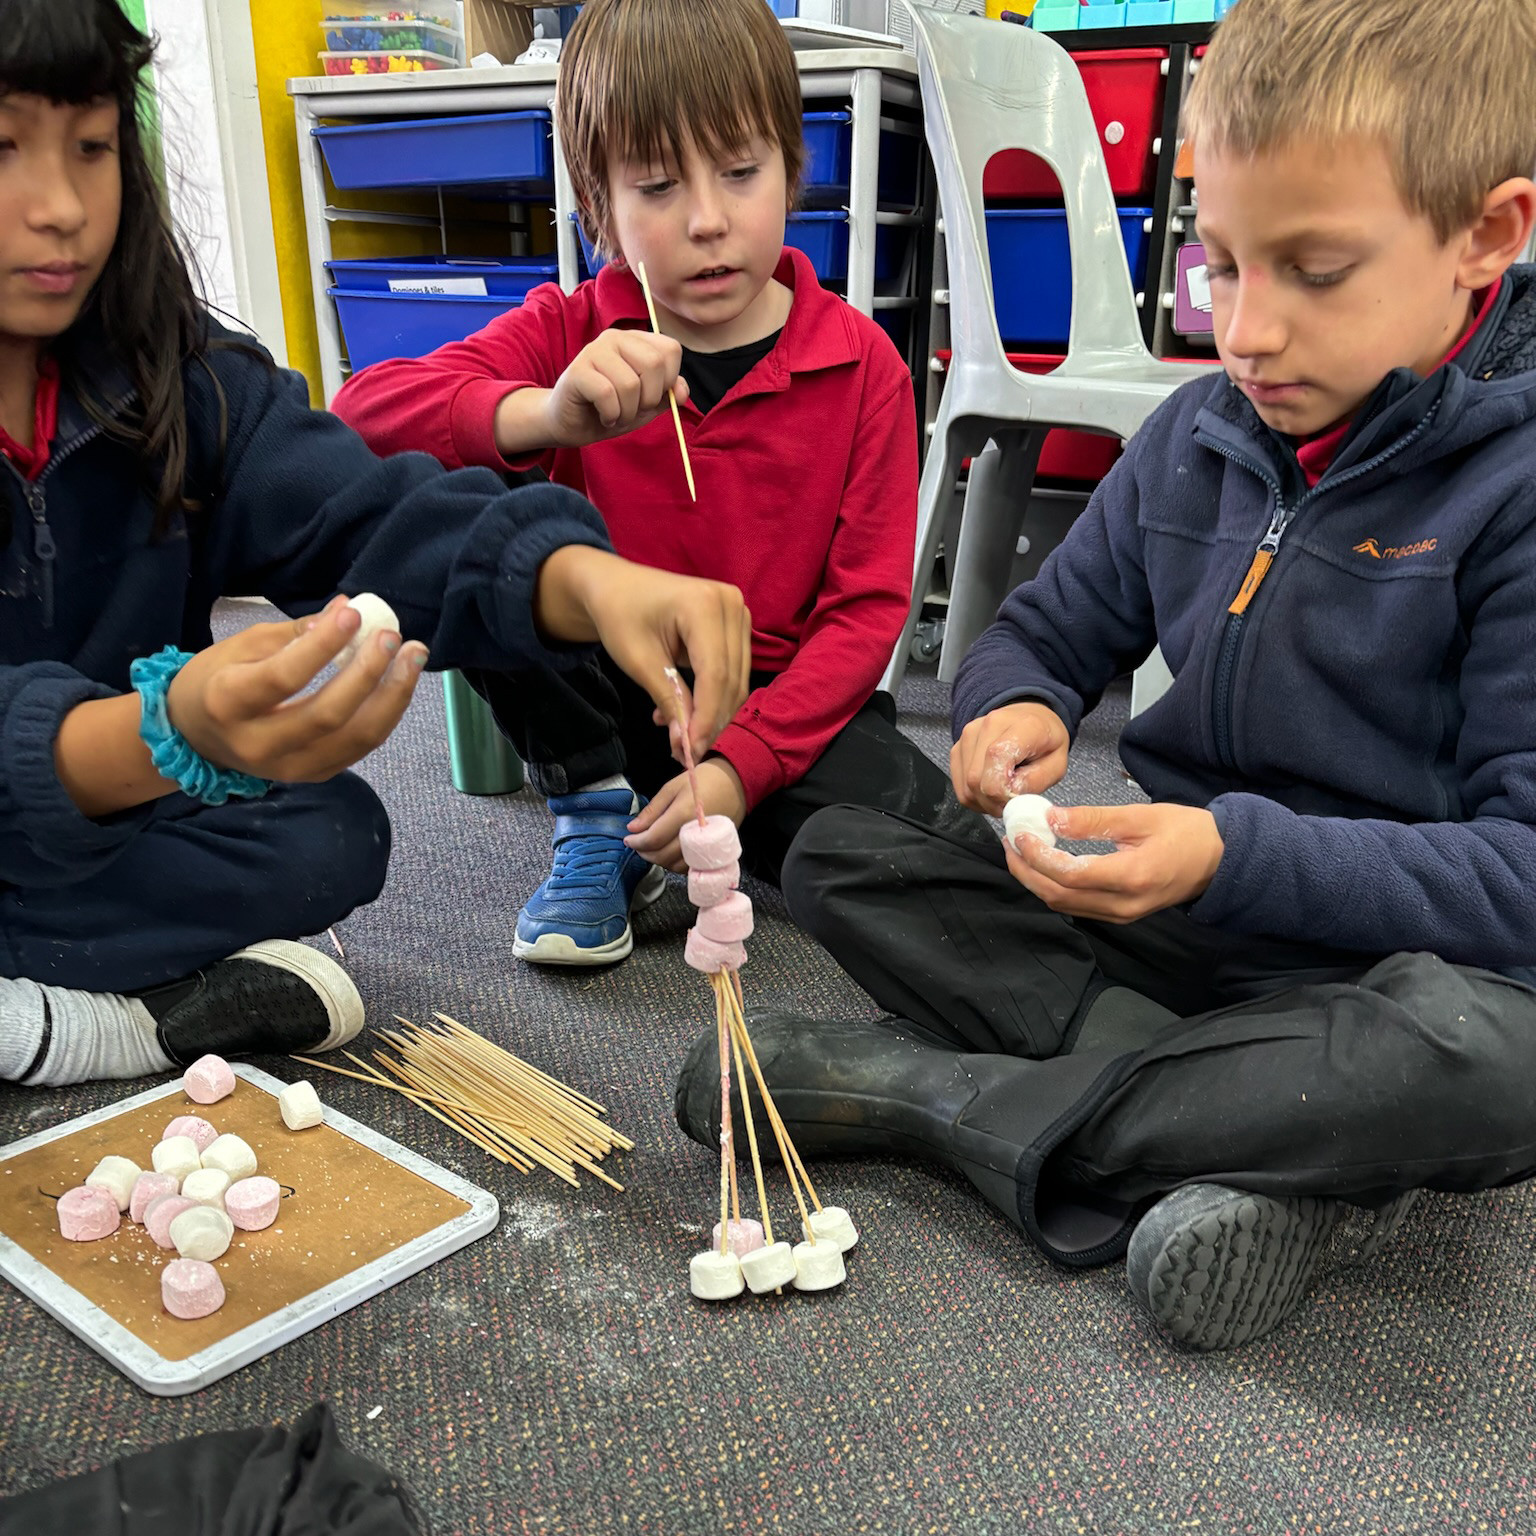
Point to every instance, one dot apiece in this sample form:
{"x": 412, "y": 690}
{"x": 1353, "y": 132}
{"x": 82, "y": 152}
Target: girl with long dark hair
{"x": 175, "y": 811}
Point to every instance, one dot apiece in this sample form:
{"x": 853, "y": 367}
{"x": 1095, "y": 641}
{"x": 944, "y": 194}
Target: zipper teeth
{"x": 1221, "y": 701}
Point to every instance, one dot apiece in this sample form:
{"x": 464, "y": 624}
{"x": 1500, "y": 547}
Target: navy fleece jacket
{"x": 297, "y": 509}
{"x": 1365, "y": 734}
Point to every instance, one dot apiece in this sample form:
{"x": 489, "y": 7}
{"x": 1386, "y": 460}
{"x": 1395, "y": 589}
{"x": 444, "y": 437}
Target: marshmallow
{"x": 116, "y": 1175}
{"x": 832, "y": 1224}
{"x": 201, "y": 1232}
{"x": 178, "y": 1156}
{"x": 208, "y": 1079}
{"x": 88, "y": 1213}
{"x": 744, "y": 1237}
{"x": 190, "y": 1288}
{"x": 194, "y": 1128}
{"x": 1027, "y": 813}
{"x": 818, "y": 1266}
{"x": 768, "y": 1269}
{"x": 715, "y": 845}
{"x": 713, "y": 1278}
{"x": 378, "y": 617}
{"x": 252, "y": 1203}
{"x": 159, "y": 1214}
{"x": 300, "y": 1106}
{"x": 705, "y": 955}
{"x": 709, "y": 887}
{"x": 729, "y": 921}
{"x": 229, "y": 1154}
{"x": 207, "y": 1187}
{"x": 148, "y": 1187}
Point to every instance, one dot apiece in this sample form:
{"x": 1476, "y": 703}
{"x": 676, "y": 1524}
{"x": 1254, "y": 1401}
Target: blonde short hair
{"x": 1449, "y": 89}
{"x": 639, "y": 77}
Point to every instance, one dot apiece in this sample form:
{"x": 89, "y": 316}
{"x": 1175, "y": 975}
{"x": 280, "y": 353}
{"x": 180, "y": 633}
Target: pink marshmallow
{"x": 159, "y": 1214}
{"x": 745, "y": 1237}
{"x": 709, "y": 887}
{"x": 189, "y": 1288}
{"x": 728, "y": 923}
{"x": 208, "y": 1079}
{"x": 147, "y": 1188}
{"x": 704, "y": 954}
{"x": 252, "y": 1203}
{"x": 194, "y": 1127}
{"x": 715, "y": 845}
{"x": 88, "y": 1213}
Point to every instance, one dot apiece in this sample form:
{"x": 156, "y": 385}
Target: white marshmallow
{"x": 202, "y": 1233}
{"x": 207, "y": 1187}
{"x": 832, "y": 1224}
{"x": 769, "y": 1268}
{"x": 230, "y": 1154}
{"x": 1027, "y": 813}
{"x": 177, "y": 1156}
{"x": 300, "y": 1106}
{"x": 713, "y": 1277}
{"x": 378, "y": 617}
{"x": 117, "y": 1176}
{"x": 818, "y": 1266}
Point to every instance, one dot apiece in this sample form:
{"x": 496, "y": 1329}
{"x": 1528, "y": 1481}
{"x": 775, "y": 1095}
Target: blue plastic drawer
{"x": 1032, "y": 268}
{"x": 784, "y": 7}
{"x": 499, "y": 147}
{"x": 829, "y": 161}
{"x": 509, "y": 277}
{"x": 824, "y": 238}
{"x": 381, "y": 325}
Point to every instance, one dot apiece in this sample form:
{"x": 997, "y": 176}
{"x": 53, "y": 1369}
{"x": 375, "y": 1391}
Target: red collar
{"x": 809, "y": 342}
{"x": 45, "y": 424}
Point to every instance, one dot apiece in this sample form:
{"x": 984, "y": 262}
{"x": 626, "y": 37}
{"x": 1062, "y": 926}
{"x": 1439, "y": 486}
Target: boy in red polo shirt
{"x": 681, "y": 122}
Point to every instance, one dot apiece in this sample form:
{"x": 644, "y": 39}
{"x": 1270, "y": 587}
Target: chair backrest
{"x": 989, "y": 86}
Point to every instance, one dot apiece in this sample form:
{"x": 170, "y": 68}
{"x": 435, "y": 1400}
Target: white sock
{"x": 613, "y": 781}
{"x": 90, "y": 1035}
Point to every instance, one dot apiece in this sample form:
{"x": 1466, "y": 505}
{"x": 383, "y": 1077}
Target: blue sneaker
{"x": 580, "y": 915}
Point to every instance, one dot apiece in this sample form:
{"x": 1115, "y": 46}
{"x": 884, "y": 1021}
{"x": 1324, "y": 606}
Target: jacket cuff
{"x": 472, "y": 424}
{"x": 756, "y": 765}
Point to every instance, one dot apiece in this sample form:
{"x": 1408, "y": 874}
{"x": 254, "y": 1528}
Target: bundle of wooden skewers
{"x": 507, "y": 1108}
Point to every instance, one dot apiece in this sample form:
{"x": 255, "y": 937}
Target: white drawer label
{"x": 475, "y": 285}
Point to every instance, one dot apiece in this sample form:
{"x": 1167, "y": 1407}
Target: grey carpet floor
{"x": 556, "y": 1377}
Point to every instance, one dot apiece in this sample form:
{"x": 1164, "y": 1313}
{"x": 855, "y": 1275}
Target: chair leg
{"x": 934, "y": 497}
{"x": 996, "y": 498}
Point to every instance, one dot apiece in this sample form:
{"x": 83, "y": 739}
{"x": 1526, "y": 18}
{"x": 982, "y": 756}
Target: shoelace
{"x": 585, "y": 862}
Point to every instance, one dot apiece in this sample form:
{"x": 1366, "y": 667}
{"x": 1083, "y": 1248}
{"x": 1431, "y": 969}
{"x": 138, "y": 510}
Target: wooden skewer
{"x": 677, "y": 420}
{"x": 757, "y": 1161}
{"x": 725, "y": 1134}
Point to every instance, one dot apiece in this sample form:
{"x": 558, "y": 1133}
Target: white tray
{"x": 173, "y": 1378}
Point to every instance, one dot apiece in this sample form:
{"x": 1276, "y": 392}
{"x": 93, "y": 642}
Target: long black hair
{"x": 145, "y": 305}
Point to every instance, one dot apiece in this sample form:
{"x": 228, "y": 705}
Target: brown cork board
{"x": 348, "y": 1206}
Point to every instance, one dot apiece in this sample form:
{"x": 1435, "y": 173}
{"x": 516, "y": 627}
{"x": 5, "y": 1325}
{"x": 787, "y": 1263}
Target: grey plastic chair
{"x": 989, "y": 86}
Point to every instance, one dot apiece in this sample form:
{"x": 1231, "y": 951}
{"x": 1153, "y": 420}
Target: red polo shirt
{"x": 45, "y": 424}
{"x": 806, "y": 473}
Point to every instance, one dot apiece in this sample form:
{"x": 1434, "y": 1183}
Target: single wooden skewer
{"x": 677, "y": 420}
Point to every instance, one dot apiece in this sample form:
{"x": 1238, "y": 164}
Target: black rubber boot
{"x": 854, "y": 1089}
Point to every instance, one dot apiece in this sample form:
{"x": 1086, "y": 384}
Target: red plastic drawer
{"x": 1083, "y": 456}
{"x": 1125, "y": 91}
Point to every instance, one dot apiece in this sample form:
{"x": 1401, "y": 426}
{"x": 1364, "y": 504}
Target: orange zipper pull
{"x": 1262, "y": 560}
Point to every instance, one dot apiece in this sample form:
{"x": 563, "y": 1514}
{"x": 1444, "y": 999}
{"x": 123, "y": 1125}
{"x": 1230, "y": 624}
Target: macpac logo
{"x": 1391, "y": 552}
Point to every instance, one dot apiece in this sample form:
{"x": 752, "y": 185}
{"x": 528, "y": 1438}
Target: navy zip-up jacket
{"x": 297, "y": 509}
{"x": 1365, "y": 733}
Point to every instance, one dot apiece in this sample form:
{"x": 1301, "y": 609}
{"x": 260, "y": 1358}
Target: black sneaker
{"x": 273, "y": 998}
{"x": 1218, "y": 1267}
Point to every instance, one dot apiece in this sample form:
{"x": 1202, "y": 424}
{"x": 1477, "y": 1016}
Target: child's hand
{"x": 654, "y": 832}
{"x": 235, "y": 704}
{"x": 648, "y": 620}
{"x": 614, "y": 384}
{"x": 1020, "y": 749}
{"x": 1164, "y": 855}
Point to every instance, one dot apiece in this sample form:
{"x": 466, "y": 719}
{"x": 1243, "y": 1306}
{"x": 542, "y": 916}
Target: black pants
{"x": 572, "y": 728}
{"x": 198, "y": 883}
{"x": 1254, "y": 1062}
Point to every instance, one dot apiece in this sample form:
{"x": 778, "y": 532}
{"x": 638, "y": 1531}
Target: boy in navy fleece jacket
{"x": 1298, "y": 979}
